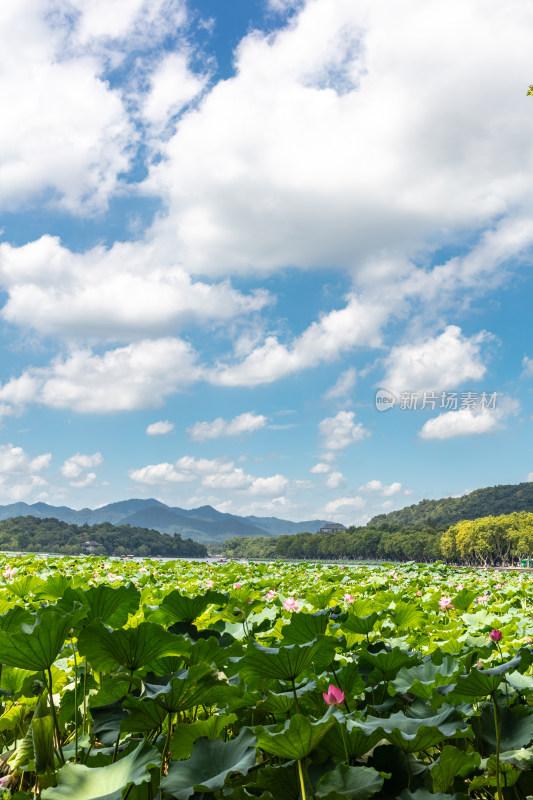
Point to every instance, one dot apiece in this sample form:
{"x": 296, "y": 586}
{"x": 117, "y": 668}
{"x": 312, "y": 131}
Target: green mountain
{"x": 440, "y": 514}
{"x": 38, "y": 535}
{"x": 204, "y": 524}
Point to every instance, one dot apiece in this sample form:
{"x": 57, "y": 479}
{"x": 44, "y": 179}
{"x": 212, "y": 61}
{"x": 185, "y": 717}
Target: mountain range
{"x": 204, "y": 524}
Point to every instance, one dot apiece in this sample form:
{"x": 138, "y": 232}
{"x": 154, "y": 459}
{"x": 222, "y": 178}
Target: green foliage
{"x": 33, "y": 535}
{"x": 159, "y": 686}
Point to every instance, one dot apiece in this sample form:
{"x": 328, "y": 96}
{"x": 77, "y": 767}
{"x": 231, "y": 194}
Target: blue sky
{"x": 225, "y": 226}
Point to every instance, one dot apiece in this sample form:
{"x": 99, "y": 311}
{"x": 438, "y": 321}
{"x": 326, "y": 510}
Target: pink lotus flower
{"x": 495, "y": 635}
{"x": 479, "y": 664}
{"x": 459, "y": 587}
{"x": 112, "y": 577}
{"x": 445, "y": 602}
{"x": 498, "y": 586}
{"x": 529, "y": 639}
{"x": 9, "y": 572}
{"x": 349, "y": 598}
{"x": 291, "y": 604}
{"x": 237, "y": 585}
{"x": 210, "y": 584}
{"x": 419, "y": 593}
{"x": 270, "y": 595}
{"x": 483, "y": 598}
{"x": 334, "y": 696}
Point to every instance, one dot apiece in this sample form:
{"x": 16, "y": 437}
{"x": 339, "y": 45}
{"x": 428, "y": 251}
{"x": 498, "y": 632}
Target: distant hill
{"x": 49, "y": 535}
{"x": 440, "y": 514}
{"x": 204, "y": 524}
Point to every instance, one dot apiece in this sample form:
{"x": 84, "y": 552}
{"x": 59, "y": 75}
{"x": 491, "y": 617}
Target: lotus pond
{"x": 270, "y": 681}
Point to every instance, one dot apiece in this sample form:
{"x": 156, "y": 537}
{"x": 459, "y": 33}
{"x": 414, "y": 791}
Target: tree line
{"x": 33, "y": 535}
{"x": 489, "y": 541}
{"x": 440, "y": 514}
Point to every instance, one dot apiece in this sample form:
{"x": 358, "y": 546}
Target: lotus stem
{"x": 302, "y": 782}
{"x": 498, "y": 730}
{"x": 75, "y": 701}
{"x": 295, "y": 696}
{"x": 53, "y": 709}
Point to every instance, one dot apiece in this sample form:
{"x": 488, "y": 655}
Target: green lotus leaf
{"x": 182, "y": 742}
{"x": 282, "y": 780}
{"x": 521, "y": 758}
{"x": 356, "y": 783}
{"x": 143, "y": 715}
{"x": 304, "y": 627}
{"x": 54, "y": 587}
{"x": 361, "y": 625}
{"x": 204, "y": 650}
{"x": 421, "y": 679}
{"x": 346, "y": 736}
{"x": 464, "y": 599}
{"x": 517, "y": 728}
{"x": 23, "y": 587}
{"x": 111, "y": 604}
{"x": 296, "y": 739}
{"x": 107, "y": 720}
{"x": 412, "y": 734}
{"x": 13, "y": 720}
{"x": 12, "y": 620}
{"x": 384, "y": 665}
{"x": 451, "y": 763}
{"x": 478, "y": 683}
{"x": 42, "y": 729}
{"x": 36, "y": 646}
{"x": 349, "y": 680}
{"x": 284, "y": 663}
{"x": 424, "y": 794}
{"x": 131, "y": 648}
{"x": 186, "y": 609}
{"x": 186, "y": 689}
{"x": 104, "y": 783}
{"x": 209, "y": 765}
{"x": 407, "y": 615}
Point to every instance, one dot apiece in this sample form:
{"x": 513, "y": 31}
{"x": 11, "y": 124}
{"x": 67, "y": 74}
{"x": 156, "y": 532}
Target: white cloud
{"x": 469, "y": 421}
{"x": 19, "y": 472}
{"x": 83, "y": 483}
{"x": 140, "y": 375}
{"x": 243, "y": 423}
{"x": 159, "y": 473}
{"x": 14, "y": 460}
{"x": 172, "y": 86}
{"x": 355, "y": 325}
{"x": 320, "y": 468}
{"x": 384, "y": 489}
{"x": 341, "y": 430}
{"x": 343, "y": 388}
{"x": 334, "y": 480}
{"x": 78, "y": 463}
{"x": 217, "y": 473}
{"x": 65, "y": 132}
{"x": 443, "y": 362}
{"x": 334, "y": 143}
{"x": 344, "y": 504}
{"x": 273, "y": 485}
{"x": 160, "y": 428}
{"x": 130, "y": 290}
{"x": 527, "y": 364}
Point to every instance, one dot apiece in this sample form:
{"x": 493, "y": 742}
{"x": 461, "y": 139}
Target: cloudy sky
{"x": 225, "y": 226}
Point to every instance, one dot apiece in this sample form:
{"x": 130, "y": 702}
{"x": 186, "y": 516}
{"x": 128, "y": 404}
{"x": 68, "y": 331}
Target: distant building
{"x": 90, "y": 547}
{"x": 332, "y": 527}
